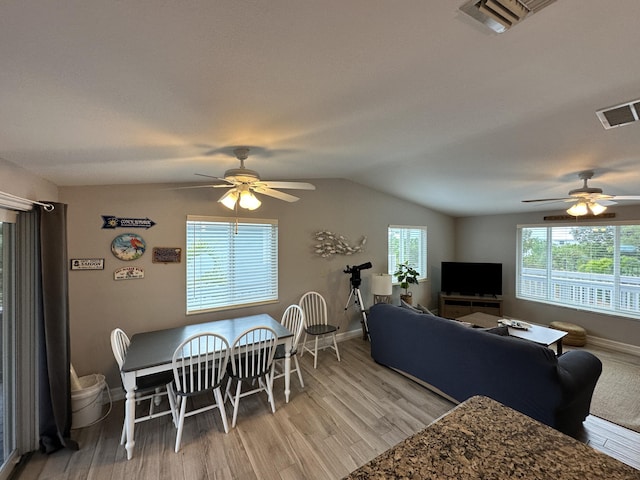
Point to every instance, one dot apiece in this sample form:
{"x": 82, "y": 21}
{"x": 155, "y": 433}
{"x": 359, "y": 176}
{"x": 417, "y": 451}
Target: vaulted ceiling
{"x": 414, "y": 98}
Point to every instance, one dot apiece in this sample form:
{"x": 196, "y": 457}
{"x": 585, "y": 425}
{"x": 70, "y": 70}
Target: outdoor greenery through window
{"x": 230, "y": 264}
{"x": 407, "y": 244}
{"x": 589, "y": 267}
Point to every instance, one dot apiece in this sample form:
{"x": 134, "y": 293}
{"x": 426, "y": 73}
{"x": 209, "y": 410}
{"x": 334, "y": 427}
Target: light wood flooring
{"x": 348, "y": 413}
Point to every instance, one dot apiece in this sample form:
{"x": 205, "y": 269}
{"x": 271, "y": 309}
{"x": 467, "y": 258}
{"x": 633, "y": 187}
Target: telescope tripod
{"x": 357, "y": 301}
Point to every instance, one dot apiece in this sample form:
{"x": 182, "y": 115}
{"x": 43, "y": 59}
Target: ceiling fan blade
{"x": 548, "y": 200}
{"x": 222, "y": 185}
{"x": 625, "y": 197}
{"x": 285, "y": 185}
{"x": 275, "y": 194}
{"x": 210, "y": 176}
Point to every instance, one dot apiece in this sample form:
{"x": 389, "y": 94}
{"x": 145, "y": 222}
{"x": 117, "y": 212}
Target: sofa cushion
{"x": 424, "y": 309}
{"x": 404, "y": 304}
{"x": 502, "y": 330}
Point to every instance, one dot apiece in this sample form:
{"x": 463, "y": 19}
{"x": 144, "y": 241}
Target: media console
{"x": 454, "y": 306}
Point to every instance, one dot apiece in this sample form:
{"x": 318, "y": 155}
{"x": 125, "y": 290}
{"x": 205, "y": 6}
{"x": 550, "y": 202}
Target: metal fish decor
{"x": 333, "y": 244}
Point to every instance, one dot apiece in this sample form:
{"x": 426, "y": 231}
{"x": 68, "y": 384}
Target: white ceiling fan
{"x": 243, "y": 182}
{"x": 587, "y": 199}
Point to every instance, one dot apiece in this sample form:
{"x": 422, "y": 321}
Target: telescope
{"x": 356, "y": 280}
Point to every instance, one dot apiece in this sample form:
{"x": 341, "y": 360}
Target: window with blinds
{"x": 589, "y": 267}
{"x": 407, "y": 244}
{"x": 230, "y": 264}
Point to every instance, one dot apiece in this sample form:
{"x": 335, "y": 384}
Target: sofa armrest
{"x": 578, "y": 369}
{"x": 579, "y": 372}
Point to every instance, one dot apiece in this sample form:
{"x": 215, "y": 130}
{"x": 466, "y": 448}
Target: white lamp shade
{"x": 247, "y": 199}
{"x": 229, "y": 199}
{"x": 578, "y": 209}
{"x": 596, "y": 208}
{"x": 381, "y": 284}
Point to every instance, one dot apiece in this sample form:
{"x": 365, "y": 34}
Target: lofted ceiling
{"x": 413, "y": 98}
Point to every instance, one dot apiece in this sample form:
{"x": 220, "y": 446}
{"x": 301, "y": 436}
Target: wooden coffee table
{"x": 537, "y": 333}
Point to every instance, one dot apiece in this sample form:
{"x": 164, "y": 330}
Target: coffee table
{"x": 537, "y": 333}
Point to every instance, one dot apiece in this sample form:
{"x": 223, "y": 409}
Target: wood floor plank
{"x": 347, "y": 413}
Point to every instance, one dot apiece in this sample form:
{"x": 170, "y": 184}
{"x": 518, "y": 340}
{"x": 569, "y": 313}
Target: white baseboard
{"x": 613, "y": 345}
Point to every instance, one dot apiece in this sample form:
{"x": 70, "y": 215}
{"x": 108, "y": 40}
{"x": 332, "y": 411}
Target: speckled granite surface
{"x": 483, "y": 439}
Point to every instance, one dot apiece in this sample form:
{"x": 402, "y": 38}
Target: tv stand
{"x": 456, "y": 305}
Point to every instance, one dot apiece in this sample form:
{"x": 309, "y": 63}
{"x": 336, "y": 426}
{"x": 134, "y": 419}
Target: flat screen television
{"x": 472, "y": 278}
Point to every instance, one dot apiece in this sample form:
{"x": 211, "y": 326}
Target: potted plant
{"x": 406, "y": 275}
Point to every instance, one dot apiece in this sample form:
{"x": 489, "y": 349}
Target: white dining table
{"x": 152, "y": 352}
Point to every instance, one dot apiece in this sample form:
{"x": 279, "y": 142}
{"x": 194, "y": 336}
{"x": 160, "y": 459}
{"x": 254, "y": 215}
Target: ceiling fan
{"x": 243, "y": 182}
{"x": 587, "y": 199}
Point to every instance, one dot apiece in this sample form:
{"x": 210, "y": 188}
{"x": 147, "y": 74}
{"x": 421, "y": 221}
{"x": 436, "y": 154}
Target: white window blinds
{"x": 230, "y": 264}
{"x": 591, "y": 267}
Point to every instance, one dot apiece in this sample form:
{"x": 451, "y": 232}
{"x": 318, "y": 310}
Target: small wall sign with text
{"x": 111, "y": 221}
{"x": 128, "y": 273}
{"x": 166, "y": 254}
{"x": 87, "y": 264}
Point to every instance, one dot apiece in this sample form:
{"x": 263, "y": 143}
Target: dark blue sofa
{"x": 462, "y": 362}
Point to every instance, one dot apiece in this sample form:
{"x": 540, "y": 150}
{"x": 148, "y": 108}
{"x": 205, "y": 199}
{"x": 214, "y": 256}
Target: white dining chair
{"x": 148, "y": 387}
{"x": 317, "y": 324}
{"x": 199, "y": 366}
{"x": 251, "y": 358}
{"x": 293, "y": 320}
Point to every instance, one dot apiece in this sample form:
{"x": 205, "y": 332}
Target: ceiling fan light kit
{"x": 583, "y": 208}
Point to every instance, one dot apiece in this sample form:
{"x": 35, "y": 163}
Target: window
{"x": 230, "y": 264}
{"x": 589, "y": 267}
{"x": 408, "y": 244}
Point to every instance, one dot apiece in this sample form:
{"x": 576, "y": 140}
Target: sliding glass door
{"x": 7, "y": 355}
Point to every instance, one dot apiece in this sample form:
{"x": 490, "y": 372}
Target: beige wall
{"x": 493, "y": 239}
{"x": 98, "y": 303}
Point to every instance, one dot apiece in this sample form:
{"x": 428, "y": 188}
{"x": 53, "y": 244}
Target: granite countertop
{"x": 483, "y": 439}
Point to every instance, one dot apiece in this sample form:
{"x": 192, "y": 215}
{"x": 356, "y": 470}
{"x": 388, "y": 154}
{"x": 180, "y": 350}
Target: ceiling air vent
{"x": 619, "y": 115}
{"x": 501, "y": 15}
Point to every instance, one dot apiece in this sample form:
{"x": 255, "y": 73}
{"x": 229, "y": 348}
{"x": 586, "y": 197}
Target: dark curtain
{"x": 54, "y": 345}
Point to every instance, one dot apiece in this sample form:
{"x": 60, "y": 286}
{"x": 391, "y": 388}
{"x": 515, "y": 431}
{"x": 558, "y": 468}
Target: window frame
{"x": 224, "y": 289}
{"x": 592, "y": 291}
{"x": 392, "y": 264}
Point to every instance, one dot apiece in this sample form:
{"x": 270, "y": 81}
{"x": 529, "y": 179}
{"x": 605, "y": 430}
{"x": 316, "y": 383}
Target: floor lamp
{"x": 381, "y": 287}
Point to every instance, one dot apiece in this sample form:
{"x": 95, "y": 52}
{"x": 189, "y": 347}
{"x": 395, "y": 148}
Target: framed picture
{"x": 87, "y": 264}
{"x": 166, "y": 254}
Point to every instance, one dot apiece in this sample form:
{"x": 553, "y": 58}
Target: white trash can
{"x": 86, "y": 402}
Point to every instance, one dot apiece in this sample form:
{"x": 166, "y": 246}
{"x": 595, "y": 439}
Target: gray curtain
{"x": 54, "y": 346}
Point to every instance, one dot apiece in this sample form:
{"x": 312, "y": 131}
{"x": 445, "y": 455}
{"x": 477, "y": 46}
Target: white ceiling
{"x": 413, "y": 98}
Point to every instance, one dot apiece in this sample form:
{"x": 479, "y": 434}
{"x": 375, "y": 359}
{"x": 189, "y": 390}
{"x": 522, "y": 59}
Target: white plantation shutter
{"x": 407, "y": 244}
{"x": 229, "y": 264}
{"x": 590, "y": 267}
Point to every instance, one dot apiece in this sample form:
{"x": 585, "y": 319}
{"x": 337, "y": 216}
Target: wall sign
{"x": 128, "y": 273}
{"x": 111, "y": 221}
{"x": 128, "y": 246}
{"x": 166, "y": 254}
{"x": 87, "y": 264}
